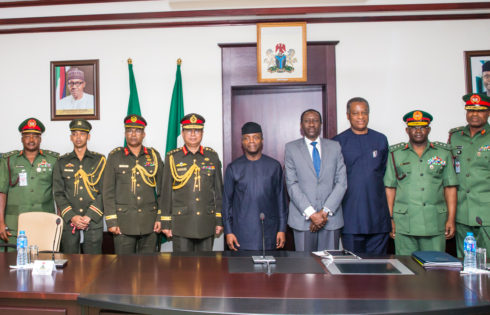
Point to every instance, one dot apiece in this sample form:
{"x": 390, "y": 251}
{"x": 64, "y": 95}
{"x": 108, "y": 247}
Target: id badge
{"x": 22, "y": 179}
{"x": 457, "y": 166}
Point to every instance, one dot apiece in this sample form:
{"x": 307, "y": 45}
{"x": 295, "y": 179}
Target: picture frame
{"x": 75, "y": 89}
{"x": 474, "y": 61}
{"x": 281, "y": 52}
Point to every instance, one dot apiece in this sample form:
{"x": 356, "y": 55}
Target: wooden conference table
{"x": 220, "y": 283}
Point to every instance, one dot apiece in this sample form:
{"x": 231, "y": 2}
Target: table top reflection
{"x": 172, "y": 283}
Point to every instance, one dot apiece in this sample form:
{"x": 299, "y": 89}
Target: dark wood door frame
{"x": 239, "y": 69}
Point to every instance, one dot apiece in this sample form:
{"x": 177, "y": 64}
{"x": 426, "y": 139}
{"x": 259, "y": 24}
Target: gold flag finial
{"x": 179, "y": 61}
{"x": 130, "y": 61}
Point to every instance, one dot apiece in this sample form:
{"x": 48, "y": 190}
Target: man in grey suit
{"x": 316, "y": 180}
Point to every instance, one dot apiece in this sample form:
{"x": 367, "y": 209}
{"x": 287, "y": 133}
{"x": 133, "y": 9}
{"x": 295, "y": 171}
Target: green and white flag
{"x": 176, "y": 112}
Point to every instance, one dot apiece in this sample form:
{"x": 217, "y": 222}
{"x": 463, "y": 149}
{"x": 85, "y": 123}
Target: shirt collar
{"x": 186, "y": 151}
{"x": 308, "y": 141}
{"x": 144, "y": 150}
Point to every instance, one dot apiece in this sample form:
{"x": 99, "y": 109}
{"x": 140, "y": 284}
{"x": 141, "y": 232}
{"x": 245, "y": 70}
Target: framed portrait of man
{"x": 476, "y": 80}
{"x": 75, "y": 89}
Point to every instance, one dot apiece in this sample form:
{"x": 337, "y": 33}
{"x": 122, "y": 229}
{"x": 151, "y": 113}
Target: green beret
{"x": 80, "y": 125}
{"x": 192, "y": 121}
{"x": 33, "y": 125}
{"x": 417, "y": 118}
{"x": 476, "y": 101}
{"x": 134, "y": 121}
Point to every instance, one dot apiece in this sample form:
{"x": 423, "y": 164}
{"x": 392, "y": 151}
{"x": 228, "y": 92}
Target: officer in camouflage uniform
{"x": 421, "y": 189}
{"x": 26, "y": 179}
{"x": 471, "y": 152}
{"x": 131, "y": 191}
{"x": 192, "y": 191}
{"x": 77, "y": 187}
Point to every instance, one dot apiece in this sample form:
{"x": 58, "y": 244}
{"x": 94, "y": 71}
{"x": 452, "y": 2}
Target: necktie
{"x": 316, "y": 159}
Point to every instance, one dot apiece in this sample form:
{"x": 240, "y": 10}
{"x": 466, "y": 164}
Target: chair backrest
{"x": 40, "y": 228}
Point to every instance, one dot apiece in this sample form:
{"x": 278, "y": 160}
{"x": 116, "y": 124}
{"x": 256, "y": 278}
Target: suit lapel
{"x": 306, "y": 155}
{"x": 324, "y": 157}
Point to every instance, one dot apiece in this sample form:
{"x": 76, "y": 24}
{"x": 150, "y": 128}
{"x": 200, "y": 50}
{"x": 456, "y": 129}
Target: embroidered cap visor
{"x": 134, "y": 121}
{"x": 80, "y": 125}
{"x": 192, "y": 121}
{"x": 476, "y": 101}
{"x": 31, "y": 125}
{"x": 417, "y": 118}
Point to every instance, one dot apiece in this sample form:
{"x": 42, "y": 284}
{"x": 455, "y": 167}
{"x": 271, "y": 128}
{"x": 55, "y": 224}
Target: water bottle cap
{"x": 22, "y": 232}
{"x": 469, "y": 233}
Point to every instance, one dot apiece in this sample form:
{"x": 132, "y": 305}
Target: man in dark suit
{"x": 253, "y": 185}
{"x": 316, "y": 181}
{"x": 367, "y": 218}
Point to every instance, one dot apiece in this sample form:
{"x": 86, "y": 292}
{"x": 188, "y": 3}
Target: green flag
{"x": 134, "y": 102}
{"x": 176, "y": 112}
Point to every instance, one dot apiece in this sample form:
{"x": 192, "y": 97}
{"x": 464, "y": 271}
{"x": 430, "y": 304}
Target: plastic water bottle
{"x": 469, "y": 252}
{"x": 22, "y": 249}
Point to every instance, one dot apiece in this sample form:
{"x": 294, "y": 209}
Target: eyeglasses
{"x": 135, "y": 130}
{"x": 76, "y": 83}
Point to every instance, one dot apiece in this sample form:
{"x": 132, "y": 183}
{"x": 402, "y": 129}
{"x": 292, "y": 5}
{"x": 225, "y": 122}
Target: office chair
{"x": 42, "y": 229}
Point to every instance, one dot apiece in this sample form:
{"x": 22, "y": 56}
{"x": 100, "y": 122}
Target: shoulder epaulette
{"x": 52, "y": 153}
{"x": 115, "y": 150}
{"x": 96, "y": 153}
{"x": 209, "y": 149}
{"x": 442, "y": 145}
{"x": 10, "y": 153}
{"x": 174, "y": 150}
{"x": 456, "y": 129}
{"x": 397, "y": 146}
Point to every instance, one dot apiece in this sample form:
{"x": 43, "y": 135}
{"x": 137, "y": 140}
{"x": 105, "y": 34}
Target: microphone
{"x": 58, "y": 221}
{"x": 263, "y": 259}
{"x": 262, "y": 218}
{"x": 479, "y": 221}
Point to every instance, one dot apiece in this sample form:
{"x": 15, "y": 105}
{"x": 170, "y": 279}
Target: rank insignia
{"x": 436, "y": 161}
{"x": 69, "y": 165}
{"x": 181, "y": 164}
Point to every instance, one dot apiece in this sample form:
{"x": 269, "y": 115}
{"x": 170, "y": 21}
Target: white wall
{"x": 397, "y": 66}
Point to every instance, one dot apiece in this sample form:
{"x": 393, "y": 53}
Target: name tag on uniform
{"x": 68, "y": 170}
{"x": 22, "y": 179}
{"x": 375, "y": 153}
{"x": 123, "y": 165}
{"x": 457, "y": 167}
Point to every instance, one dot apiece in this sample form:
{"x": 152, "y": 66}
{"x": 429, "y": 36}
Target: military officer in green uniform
{"x": 471, "y": 152}
{"x": 192, "y": 191}
{"x": 25, "y": 179}
{"x": 131, "y": 191}
{"x": 77, "y": 188}
{"x": 421, "y": 188}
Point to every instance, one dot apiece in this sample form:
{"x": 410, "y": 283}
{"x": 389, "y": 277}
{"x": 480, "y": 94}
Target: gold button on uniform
{"x": 197, "y": 199}
{"x": 81, "y": 210}
{"x": 138, "y": 197}
{"x": 81, "y": 198}
{"x": 137, "y": 185}
{"x": 139, "y": 210}
{"x": 81, "y": 187}
{"x": 198, "y": 213}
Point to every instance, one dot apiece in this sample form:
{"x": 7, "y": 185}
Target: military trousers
{"x": 135, "y": 244}
{"x": 480, "y": 236}
{"x": 92, "y": 241}
{"x": 184, "y": 244}
{"x": 407, "y": 244}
